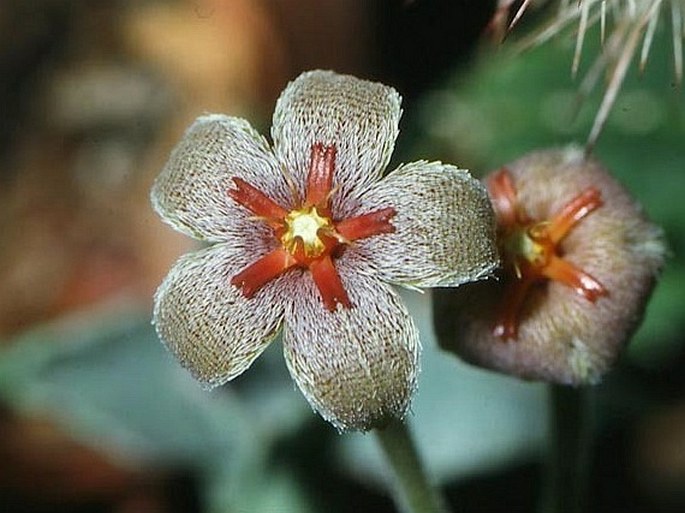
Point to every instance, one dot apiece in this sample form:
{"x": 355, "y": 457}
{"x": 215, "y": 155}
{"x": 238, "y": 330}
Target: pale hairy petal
{"x": 359, "y": 117}
{"x": 212, "y": 329}
{"x": 191, "y": 192}
{"x": 356, "y": 366}
{"x": 444, "y": 227}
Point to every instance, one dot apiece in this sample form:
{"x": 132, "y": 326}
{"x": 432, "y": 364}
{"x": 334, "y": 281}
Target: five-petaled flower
{"x": 309, "y": 235}
{"x": 579, "y": 263}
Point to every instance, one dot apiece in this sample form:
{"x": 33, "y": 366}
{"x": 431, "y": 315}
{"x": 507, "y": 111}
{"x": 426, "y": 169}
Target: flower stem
{"x": 413, "y": 492}
{"x": 570, "y": 441}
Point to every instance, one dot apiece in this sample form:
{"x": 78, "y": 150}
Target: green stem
{"x": 570, "y": 428}
{"x": 414, "y": 494}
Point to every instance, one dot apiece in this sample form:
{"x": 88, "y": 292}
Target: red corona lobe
{"x": 307, "y": 236}
{"x": 320, "y": 178}
{"x": 530, "y": 249}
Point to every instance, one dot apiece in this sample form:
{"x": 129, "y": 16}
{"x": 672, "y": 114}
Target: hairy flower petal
{"x": 191, "y": 193}
{"x": 208, "y": 324}
{"x": 358, "y": 117}
{"x": 307, "y": 233}
{"x": 357, "y": 366}
{"x": 444, "y": 227}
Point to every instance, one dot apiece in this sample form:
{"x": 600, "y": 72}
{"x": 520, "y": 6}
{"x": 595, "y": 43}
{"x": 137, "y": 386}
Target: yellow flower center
{"x": 309, "y": 238}
{"x": 528, "y": 245}
{"x": 302, "y": 227}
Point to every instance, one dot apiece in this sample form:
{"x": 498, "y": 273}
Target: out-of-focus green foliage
{"x": 107, "y": 379}
{"x": 511, "y": 104}
{"x": 109, "y": 382}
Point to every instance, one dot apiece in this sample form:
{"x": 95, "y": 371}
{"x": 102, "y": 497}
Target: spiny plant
{"x": 626, "y": 27}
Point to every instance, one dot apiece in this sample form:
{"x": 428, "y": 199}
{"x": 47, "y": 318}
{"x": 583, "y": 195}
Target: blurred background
{"x": 96, "y": 417}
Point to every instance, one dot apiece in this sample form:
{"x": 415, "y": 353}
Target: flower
{"x": 580, "y": 261}
{"x": 307, "y": 236}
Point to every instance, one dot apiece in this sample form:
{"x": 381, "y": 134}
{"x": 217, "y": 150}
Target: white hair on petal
{"x": 191, "y": 192}
{"x": 359, "y": 117}
{"x": 357, "y": 366}
{"x": 444, "y": 227}
{"x": 212, "y": 329}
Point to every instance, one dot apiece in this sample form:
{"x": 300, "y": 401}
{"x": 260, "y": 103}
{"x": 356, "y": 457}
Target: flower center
{"x": 528, "y": 248}
{"x": 307, "y": 236}
{"x": 531, "y": 250}
{"x": 302, "y": 228}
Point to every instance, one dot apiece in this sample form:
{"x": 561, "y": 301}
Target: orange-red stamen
{"x": 307, "y": 236}
{"x": 366, "y": 225}
{"x": 256, "y": 201}
{"x": 530, "y": 249}
{"x": 329, "y": 284}
{"x": 320, "y": 177}
{"x": 506, "y": 325}
{"x": 575, "y": 210}
{"x": 503, "y": 196}
{"x": 564, "y": 272}
{"x": 262, "y": 271}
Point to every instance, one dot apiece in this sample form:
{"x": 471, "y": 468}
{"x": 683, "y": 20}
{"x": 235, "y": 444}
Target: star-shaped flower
{"x": 579, "y": 263}
{"x": 307, "y": 236}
